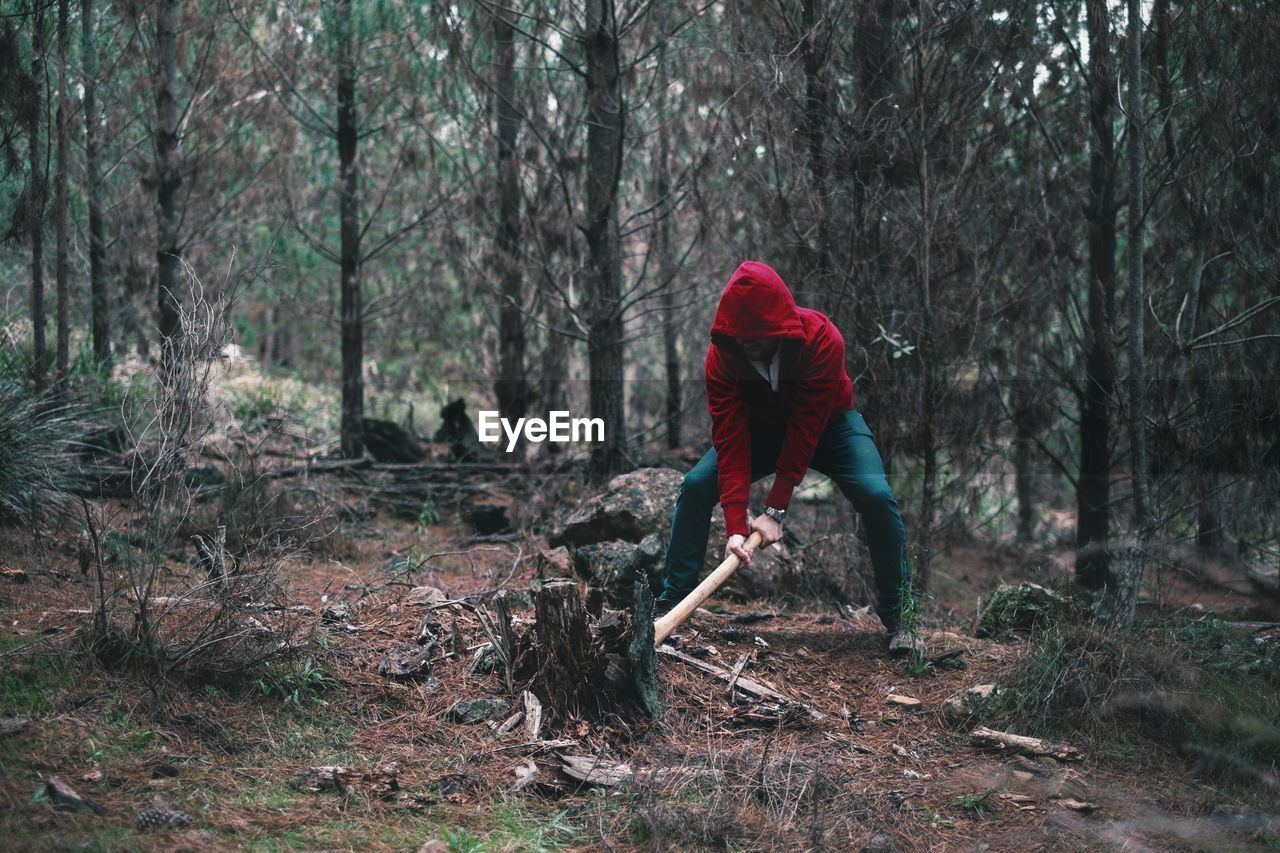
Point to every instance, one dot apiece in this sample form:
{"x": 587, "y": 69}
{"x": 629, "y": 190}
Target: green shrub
{"x": 39, "y": 469}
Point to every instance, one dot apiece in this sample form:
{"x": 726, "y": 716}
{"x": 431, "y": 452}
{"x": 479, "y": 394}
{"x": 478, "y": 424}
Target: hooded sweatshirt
{"x": 813, "y": 387}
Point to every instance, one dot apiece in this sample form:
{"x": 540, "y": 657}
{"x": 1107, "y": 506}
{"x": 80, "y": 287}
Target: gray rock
{"x": 630, "y": 508}
{"x": 880, "y": 841}
{"x": 614, "y": 566}
{"x": 469, "y": 711}
{"x": 958, "y": 709}
{"x": 405, "y": 660}
{"x": 339, "y": 613}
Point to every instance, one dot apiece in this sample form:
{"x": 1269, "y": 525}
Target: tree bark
{"x": 98, "y": 298}
{"x": 1137, "y": 301}
{"x": 1130, "y": 582}
{"x": 1093, "y": 490}
{"x": 349, "y": 226}
{"x": 666, "y": 259}
{"x": 814, "y": 56}
{"x": 63, "y": 367}
{"x": 168, "y": 174}
{"x": 39, "y": 366}
{"x": 605, "y": 120}
{"x": 1023, "y": 439}
{"x": 512, "y": 387}
{"x": 928, "y": 382}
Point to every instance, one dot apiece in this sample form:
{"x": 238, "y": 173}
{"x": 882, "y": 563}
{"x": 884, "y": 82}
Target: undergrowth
{"x": 1202, "y": 689}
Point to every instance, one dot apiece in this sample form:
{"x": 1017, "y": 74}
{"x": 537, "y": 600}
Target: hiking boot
{"x": 662, "y": 605}
{"x": 899, "y": 644}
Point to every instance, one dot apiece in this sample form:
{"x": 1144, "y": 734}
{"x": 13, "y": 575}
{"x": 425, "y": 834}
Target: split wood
{"x": 749, "y": 686}
{"x": 1032, "y": 746}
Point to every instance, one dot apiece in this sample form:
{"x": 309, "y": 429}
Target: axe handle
{"x": 664, "y": 626}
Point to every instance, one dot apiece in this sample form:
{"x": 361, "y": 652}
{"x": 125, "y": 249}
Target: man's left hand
{"x": 769, "y": 529}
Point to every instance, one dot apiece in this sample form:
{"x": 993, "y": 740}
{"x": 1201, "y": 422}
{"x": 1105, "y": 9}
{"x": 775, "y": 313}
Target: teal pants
{"x": 847, "y": 454}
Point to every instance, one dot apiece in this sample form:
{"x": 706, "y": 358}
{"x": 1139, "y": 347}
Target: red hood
{"x": 757, "y": 304}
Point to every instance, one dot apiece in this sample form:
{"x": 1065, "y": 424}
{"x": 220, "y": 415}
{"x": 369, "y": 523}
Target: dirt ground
{"x": 860, "y": 772}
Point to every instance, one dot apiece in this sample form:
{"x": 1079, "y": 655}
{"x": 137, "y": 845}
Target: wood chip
{"x": 1078, "y": 806}
{"x": 904, "y": 701}
{"x": 67, "y": 798}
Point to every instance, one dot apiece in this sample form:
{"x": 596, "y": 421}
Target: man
{"x": 781, "y": 401}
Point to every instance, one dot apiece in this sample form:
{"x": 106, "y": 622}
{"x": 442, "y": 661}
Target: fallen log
{"x": 1023, "y": 745}
{"x": 748, "y": 686}
{"x": 667, "y": 624}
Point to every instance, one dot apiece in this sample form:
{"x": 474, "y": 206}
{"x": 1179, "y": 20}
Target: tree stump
{"x": 593, "y": 667}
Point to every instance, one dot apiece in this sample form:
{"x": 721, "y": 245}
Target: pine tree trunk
{"x": 99, "y": 303}
{"x": 349, "y": 226}
{"x": 168, "y": 174}
{"x": 61, "y": 271}
{"x": 605, "y": 119}
{"x": 814, "y": 55}
{"x": 666, "y": 259}
{"x": 1093, "y": 490}
{"x": 39, "y": 367}
{"x": 512, "y": 387}
{"x": 1130, "y": 585}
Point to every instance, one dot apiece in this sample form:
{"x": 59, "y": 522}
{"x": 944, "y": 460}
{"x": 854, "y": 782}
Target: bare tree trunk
{"x": 928, "y": 390}
{"x": 1093, "y": 490}
{"x": 1129, "y": 583}
{"x": 98, "y": 299}
{"x": 1137, "y": 301}
{"x": 168, "y": 173}
{"x": 814, "y": 54}
{"x": 666, "y": 259}
{"x": 605, "y": 120}
{"x": 1023, "y": 438}
{"x": 39, "y": 367}
{"x": 60, "y": 206}
{"x": 512, "y": 387}
{"x": 349, "y": 215}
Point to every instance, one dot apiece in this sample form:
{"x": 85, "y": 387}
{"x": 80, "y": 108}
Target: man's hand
{"x": 736, "y": 546}
{"x": 770, "y": 530}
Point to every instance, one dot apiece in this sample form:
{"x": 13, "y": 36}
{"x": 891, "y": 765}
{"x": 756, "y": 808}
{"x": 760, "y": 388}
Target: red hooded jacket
{"x": 813, "y": 387}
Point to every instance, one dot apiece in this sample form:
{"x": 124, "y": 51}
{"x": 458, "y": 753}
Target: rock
{"x": 339, "y": 613}
{"x": 958, "y": 709}
{"x": 487, "y": 519}
{"x": 614, "y": 566}
{"x": 387, "y": 441}
{"x": 469, "y": 711}
{"x": 632, "y": 506}
{"x": 431, "y": 684}
{"x": 1018, "y": 608}
{"x": 555, "y": 563}
{"x": 426, "y": 596}
{"x": 405, "y": 660}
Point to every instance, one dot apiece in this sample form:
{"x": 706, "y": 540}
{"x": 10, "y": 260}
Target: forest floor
{"x": 868, "y": 775}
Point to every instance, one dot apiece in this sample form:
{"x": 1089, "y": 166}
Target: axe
{"x": 663, "y": 627}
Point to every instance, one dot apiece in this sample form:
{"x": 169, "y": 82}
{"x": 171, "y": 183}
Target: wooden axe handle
{"x": 664, "y": 626}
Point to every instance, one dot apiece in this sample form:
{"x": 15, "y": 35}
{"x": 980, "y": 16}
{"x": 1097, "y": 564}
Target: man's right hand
{"x": 737, "y": 546}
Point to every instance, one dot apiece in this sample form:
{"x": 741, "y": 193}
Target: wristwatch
{"x": 778, "y": 515}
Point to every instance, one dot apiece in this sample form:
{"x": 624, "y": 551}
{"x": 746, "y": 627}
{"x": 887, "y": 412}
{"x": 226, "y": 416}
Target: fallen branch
{"x": 749, "y": 686}
{"x": 1022, "y": 745}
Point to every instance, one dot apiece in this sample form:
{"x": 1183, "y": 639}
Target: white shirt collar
{"x": 770, "y": 371}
